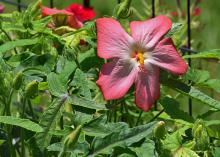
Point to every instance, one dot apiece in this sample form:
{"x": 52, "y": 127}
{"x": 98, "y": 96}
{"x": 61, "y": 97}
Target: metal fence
{"x": 86, "y": 3}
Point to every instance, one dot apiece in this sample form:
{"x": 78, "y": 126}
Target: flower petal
{"x": 116, "y": 78}
{"x": 148, "y": 33}
{"x": 166, "y": 56}
{"x": 147, "y": 88}
{"x": 59, "y": 16}
{"x": 82, "y": 13}
{"x": 113, "y": 41}
{"x": 45, "y": 11}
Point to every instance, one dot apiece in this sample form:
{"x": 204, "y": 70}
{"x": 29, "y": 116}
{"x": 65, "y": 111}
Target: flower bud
{"x": 31, "y": 90}
{"x": 200, "y": 135}
{"x": 124, "y": 10}
{"x": 72, "y": 138}
{"x": 160, "y": 130}
{"x": 36, "y": 6}
{"x": 17, "y": 81}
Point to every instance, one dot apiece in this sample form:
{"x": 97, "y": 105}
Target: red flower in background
{"x": 2, "y": 8}
{"x": 197, "y": 11}
{"x": 62, "y": 17}
{"x": 82, "y": 13}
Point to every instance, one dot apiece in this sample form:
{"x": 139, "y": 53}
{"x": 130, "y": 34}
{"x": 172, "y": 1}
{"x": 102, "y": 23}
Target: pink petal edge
{"x": 148, "y": 33}
{"x": 113, "y": 41}
{"x": 166, "y": 56}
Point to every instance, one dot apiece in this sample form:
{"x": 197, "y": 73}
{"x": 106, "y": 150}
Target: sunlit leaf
{"x": 192, "y": 92}
{"x": 13, "y": 44}
{"x": 212, "y": 54}
{"x": 24, "y": 123}
{"x": 175, "y": 28}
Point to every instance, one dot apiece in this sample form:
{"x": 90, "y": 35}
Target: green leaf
{"x": 174, "y": 141}
{"x": 210, "y": 54}
{"x": 79, "y": 118}
{"x": 212, "y": 84}
{"x": 79, "y": 101}
{"x": 24, "y": 123}
{"x": 47, "y": 120}
{"x": 66, "y": 68}
{"x": 147, "y": 149}
{"x": 80, "y": 81}
{"x": 185, "y": 152}
{"x": 191, "y": 92}
{"x": 175, "y": 28}
{"x": 172, "y": 108}
{"x": 2, "y": 142}
{"x": 55, "y": 86}
{"x": 216, "y": 152}
{"x": 13, "y": 44}
{"x": 100, "y": 127}
{"x": 124, "y": 137}
{"x": 79, "y": 148}
{"x": 212, "y": 122}
{"x": 197, "y": 76}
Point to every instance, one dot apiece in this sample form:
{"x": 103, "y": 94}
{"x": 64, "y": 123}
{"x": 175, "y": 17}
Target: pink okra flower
{"x": 136, "y": 58}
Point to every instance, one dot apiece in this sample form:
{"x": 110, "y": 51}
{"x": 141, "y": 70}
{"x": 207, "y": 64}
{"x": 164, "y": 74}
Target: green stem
{"x": 8, "y": 127}
{"x": 139, "y": 117}
{"x": 157, "y": 115}
{"x": 22, "y": 130}
{"x": 31, "y": 109}
{"x": 8, "y": 104}
{"x": 128, "y": 118}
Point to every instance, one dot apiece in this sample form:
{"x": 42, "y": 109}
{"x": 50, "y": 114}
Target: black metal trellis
{"x": 153, "y": 15}
{"x": 51, "y": 3}
{"x": 19, "y": 7}
{"x": 86, "y": 3}
{"x": 189, "y": 46}
{"x": 153, "y": 8}
{"x": 18, "y": 4}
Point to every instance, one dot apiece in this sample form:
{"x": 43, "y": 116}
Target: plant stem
{"x": 139, "y": 117}
{"x": 22, "y": 130}
{"x": 155, "y": 117}
{"x": 8, "y": 127}
{"x": 31, "y": 109}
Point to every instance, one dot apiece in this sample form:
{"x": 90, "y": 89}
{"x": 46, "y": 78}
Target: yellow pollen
{"x": 140, "y": 58}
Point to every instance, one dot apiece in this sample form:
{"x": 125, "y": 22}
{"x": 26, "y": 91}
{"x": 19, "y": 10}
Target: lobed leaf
{"x": 47, "y": 120}
{"x": 124, "y": 137}
{"x": 56, "y": 87}
{"x": 91, "y": 104}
